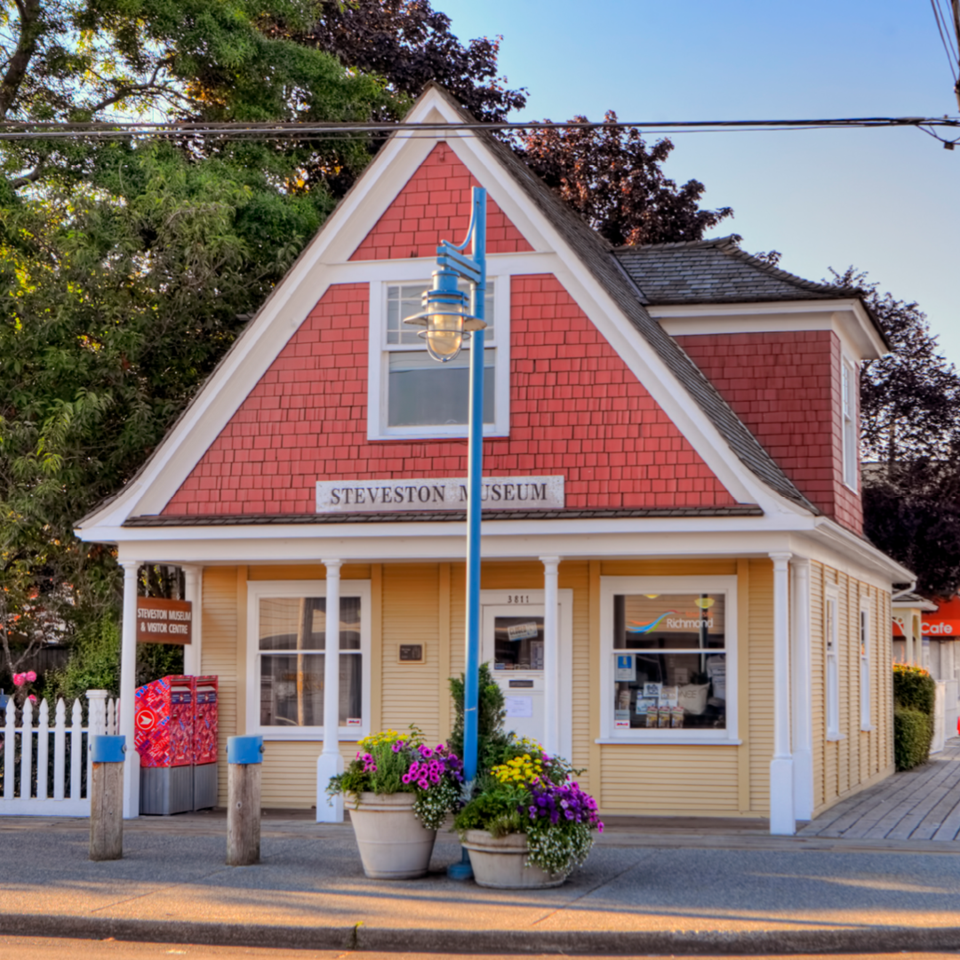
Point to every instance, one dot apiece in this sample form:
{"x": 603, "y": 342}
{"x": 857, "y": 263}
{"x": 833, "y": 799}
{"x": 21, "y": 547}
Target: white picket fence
{"x": 27, "y": 787}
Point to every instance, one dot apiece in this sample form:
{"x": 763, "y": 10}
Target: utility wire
{"x": 11, "y": 130}
{"x": 945, "y": 37}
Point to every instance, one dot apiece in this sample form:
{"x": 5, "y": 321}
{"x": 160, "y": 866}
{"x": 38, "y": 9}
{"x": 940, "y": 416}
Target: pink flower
{"x": 32, "y": 697}
{"x": 31, "y": 676}
{"x": 19, "y": 679}
{"x": 599, "y": 827}
{"x": 426, "y": 753}
{"x": 423, "y": 784}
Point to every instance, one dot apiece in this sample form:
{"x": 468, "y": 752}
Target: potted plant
{"x": 398, "y": 791}
{"x": 528, "y": 824}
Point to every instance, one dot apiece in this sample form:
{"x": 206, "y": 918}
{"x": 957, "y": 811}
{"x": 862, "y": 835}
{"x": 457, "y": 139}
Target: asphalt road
{"x": 17, "y": 948}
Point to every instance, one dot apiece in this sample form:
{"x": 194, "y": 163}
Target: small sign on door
{"x": 522, "y": 631}
{"x": 519, "y": 706}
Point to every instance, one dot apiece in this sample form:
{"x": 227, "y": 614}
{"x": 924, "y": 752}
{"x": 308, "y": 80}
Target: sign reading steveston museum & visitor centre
{"x": 448, "y": 493}
{"x": 164, "y": 621}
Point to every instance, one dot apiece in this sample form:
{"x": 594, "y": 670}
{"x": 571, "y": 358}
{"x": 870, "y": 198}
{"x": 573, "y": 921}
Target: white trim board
{"x": 847, "y": 318}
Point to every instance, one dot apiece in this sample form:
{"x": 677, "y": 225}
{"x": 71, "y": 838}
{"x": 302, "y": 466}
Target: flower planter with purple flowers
{"x": 528, "y": 823}
{"x": 398, "y": 791}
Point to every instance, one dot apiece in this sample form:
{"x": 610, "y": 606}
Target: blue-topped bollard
{"x": 106, "y": 797}
{"x": 244, "y": 764}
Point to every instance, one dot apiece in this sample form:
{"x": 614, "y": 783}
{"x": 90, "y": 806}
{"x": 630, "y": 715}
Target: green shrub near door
{"x": 914, "y": 697}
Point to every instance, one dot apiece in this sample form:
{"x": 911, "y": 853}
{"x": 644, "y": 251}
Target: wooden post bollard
{"x": 244, "y": 763}
{"x": 106, "y": 797}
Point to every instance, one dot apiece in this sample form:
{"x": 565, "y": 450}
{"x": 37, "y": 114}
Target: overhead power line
{"x": 11, "y": 130}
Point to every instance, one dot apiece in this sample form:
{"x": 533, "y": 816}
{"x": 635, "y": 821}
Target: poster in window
{"x": 626, "y": 668}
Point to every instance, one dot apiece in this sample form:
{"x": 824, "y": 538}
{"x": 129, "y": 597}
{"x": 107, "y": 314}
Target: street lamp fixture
{"x": 448, "y": 324}
{"x": 446, "y": 316}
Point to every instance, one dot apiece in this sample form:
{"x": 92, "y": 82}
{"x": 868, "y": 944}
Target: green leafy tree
{"x": 910, "y": 428}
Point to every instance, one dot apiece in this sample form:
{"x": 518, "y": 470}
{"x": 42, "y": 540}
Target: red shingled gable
{"x": 435, "y": 205}
{"x": 576, "y": 409}
{"x": 785, "y": 387}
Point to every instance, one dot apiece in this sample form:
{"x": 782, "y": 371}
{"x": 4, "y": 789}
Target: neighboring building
{"x": 674, "y": 513}
{"x": 925, "y": 633}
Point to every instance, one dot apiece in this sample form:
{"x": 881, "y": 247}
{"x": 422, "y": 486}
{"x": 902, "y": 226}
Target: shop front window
{"x": 288, "y": 658}
{"x": 669, "y": 663}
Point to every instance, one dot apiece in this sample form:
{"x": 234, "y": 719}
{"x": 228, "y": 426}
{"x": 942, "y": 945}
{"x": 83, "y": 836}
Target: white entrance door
{"x": 513, "y": 646}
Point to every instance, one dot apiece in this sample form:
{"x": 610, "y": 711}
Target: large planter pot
{"x": 501, "y": 862}
{"x": 394, "y": 845}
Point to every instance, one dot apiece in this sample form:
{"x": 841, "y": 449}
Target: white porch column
{"x": 128, "y": 691}
{"x": 192, "y": 661}
{"x": 551, "y": 655}
{"x": 330, "y": 763}
{"x": 782, "y": 818}
{"x": 802, "y": 692}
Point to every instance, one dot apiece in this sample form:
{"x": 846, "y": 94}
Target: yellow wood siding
{"x": 411, "y": 614}
{"x": 218, "y": 655}
{"x": 756, "y": 703}
{"x": 667, "y": 780}
{"x": 860, "y": 757}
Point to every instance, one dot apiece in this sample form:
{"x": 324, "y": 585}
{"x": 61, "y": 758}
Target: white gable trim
{"x": 323, "y": 263}
{"x": 846, "y": 318}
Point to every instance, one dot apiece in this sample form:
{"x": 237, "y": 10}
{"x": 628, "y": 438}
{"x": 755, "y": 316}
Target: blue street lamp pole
{"x": 448, "y": 325}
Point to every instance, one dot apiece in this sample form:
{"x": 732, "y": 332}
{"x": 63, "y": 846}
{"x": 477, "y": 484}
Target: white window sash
{"x": 831, "y": 640}
{"x": 865, "y": 612}
{"x": 612, "y": 586}
{"x": 378, "y": 427}
{"x": 259, "y": 589}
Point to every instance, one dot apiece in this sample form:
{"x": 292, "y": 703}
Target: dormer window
{"x": 848, "y": 403}
{"x": 413, "y": 396}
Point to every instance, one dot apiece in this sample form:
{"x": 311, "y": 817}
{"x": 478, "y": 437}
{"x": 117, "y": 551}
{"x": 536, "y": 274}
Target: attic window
{"x": 848, "y": 386}
{"x": 414, "y": 396}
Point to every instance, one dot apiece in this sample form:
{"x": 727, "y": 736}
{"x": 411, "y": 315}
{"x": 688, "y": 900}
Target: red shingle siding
{"x": 786, "y": 388}
{"x": 576, "y": 410}
{"x": 435, "y": 205}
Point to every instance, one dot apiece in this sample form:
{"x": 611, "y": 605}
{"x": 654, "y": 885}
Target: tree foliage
{"x": 910, "y": 427}
{"x": 409, "y": 44}
{"x": 614, "y": 181}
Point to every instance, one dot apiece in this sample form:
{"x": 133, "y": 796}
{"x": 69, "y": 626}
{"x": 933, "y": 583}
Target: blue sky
{"x": 887, "y": 201}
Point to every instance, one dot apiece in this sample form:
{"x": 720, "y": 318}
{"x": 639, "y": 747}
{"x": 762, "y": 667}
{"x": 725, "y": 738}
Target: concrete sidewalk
{"x": 647, "y": 888}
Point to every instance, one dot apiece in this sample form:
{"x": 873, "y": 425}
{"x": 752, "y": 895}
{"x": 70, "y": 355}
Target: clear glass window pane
{"x": 405, "y": 300}
{"x": 291, "y": 689}
{"x": 423, "y": 392}
{"x": 299, "y": 623}
{"x": 670, "y": 691}
{"x": 669, "y": 621}
{"x": 518, "y": 643}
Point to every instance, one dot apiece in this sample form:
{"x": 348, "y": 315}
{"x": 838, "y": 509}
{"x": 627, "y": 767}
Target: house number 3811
{"x": 518, "y": 598}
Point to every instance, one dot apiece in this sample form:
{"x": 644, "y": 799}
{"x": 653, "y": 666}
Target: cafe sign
{"x": 429, "y": 494}
{"x": 164, "y": 621}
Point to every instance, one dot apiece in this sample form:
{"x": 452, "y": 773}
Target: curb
{"x": 872, "y": 939}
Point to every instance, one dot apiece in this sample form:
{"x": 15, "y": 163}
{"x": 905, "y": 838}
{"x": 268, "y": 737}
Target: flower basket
{"x": 394, "y": 844}
{"x": 398, "y": 791}
{"x": 528, "y": 824}
{"x": 502, "y": 862}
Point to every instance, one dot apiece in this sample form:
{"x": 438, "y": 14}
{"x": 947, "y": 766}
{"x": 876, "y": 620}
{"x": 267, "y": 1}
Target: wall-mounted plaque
{"x": 438, "y": 493}
{"x": 164, "y": 621}
{"x": 411, "y": 653}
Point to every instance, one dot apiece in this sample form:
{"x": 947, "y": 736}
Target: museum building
{"x": 676, "y": 592}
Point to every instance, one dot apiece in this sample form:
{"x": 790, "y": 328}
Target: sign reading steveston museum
{"x": 164, "y": 621}
{"x": 448, "y": 493}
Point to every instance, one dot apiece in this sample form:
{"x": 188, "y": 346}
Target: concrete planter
{"x": 500, "y": 862}
{"x": 393, "y": 844}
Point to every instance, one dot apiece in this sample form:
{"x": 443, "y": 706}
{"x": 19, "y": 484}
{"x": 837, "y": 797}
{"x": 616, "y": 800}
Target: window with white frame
{"x": 668, "y": 669}
{"x": 414, "y": 395}
{"x": 287, "y": 651}
{"x": 831, "y": 632}
{"x": 848, "y": 390}
{"x": 865, "y": 666}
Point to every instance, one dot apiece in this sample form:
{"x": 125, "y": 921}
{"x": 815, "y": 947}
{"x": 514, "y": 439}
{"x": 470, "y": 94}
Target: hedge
{"x": 912, "y": 735}
{"x": 914, "y": 696}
